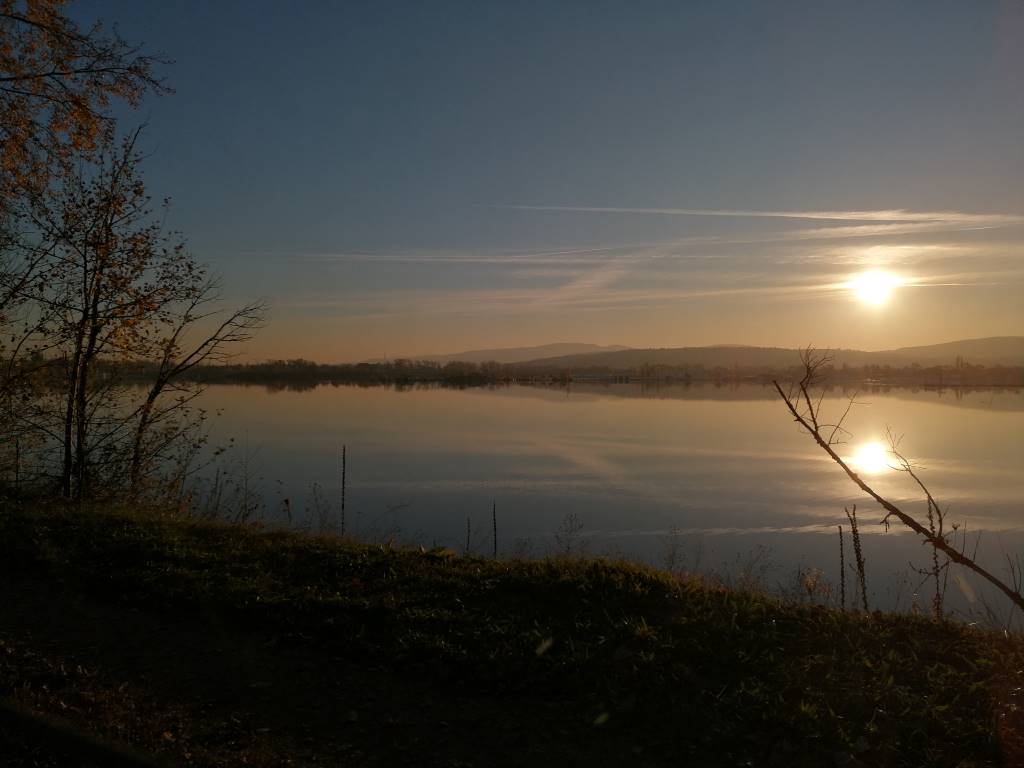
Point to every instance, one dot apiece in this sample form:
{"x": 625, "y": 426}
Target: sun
{"x": 871, "y": 458}
{"x": 874, "y": 287}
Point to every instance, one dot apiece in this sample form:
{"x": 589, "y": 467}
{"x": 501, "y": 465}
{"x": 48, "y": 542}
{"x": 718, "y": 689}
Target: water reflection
{"x": 727, "y": 464}
{"x": 986, "y": 397}
{"x": 871, "y": 458}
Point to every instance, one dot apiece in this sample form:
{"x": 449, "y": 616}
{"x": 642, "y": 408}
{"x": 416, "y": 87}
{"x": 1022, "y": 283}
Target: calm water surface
{"x": 721, "y": 476}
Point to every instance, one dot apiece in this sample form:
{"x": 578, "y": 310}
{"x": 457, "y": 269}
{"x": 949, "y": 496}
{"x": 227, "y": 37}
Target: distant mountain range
{"x": 521, "y": 354}
{"x": 999, "y": 350}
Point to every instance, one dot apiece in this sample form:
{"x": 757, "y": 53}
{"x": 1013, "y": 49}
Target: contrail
{"x": 948, "y": 217}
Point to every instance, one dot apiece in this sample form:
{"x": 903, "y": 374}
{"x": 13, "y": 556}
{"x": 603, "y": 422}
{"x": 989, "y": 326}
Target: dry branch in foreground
{"x": 806, "y": 412}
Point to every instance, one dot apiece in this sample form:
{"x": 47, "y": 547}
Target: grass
{"x": 578, "y": 661}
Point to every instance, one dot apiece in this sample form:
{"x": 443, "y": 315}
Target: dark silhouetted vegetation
{"x": 298, "y": 649}
{"x": 93, "y": 289}
{"x": 303, "y": 374}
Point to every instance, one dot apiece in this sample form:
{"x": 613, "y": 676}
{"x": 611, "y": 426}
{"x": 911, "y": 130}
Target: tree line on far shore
{"x": 297, "y": 372}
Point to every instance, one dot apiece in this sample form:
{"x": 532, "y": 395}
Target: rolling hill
{"x": 522, "y": 354}
{"x": 1000, "y": 350}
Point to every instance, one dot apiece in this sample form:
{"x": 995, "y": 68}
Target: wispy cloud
{"x": 874, "y": 224}
{"x": 880, "y": 255}
{"x": 609, "y": 288}
{"x": 586, "y": 285}
{"x": 893, "y": 215}
{"x": 786, "y": 271}
{"x": 554, "y": 256}
{"x": 880, "y": 230}
{"x": 389, "y": 304}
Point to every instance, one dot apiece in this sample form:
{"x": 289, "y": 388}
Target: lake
{"x": 716, "y": 479}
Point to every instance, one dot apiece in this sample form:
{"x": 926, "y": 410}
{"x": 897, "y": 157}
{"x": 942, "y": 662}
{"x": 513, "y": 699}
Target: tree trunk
{"x": 81, "y": 421}
{"x": 84, "y": 368}
{"x": 69, "y": 414}
{"x": 135, "y": 473}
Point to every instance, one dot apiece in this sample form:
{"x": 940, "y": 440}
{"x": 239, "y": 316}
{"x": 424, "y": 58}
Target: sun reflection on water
{"x": 871, "y": 458}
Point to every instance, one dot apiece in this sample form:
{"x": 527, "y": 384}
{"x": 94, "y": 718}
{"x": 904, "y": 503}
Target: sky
{"x": 402, "y": 179}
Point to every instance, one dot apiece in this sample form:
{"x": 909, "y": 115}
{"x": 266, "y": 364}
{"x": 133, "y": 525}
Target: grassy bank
{"x": 215, "y": 645}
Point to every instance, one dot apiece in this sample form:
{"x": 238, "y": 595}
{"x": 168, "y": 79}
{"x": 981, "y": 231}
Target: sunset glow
{"x": 875, "y": 287}
{"x": 645, "y": 369}
{"x": 646, "y": 212}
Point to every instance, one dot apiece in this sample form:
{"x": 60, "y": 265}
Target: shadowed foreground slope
{"x": 214, "y": 645}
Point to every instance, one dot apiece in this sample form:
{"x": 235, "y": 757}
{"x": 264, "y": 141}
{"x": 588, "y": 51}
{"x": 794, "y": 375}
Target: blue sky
{"x": 403, "y": 178}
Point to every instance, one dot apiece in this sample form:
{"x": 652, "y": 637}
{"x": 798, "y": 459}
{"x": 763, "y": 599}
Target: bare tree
{"x": 118, "y": 296}
{"x": 806, "y": 411}
{"x": 58, "y": 81}
{"x": 186, "y": 345}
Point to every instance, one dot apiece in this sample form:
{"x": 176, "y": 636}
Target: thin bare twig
{"x": 813, "y": 362}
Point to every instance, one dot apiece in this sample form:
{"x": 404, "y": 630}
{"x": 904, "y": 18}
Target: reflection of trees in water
{"x": 649, "y": 377}
{"x": 988, "y": 397}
